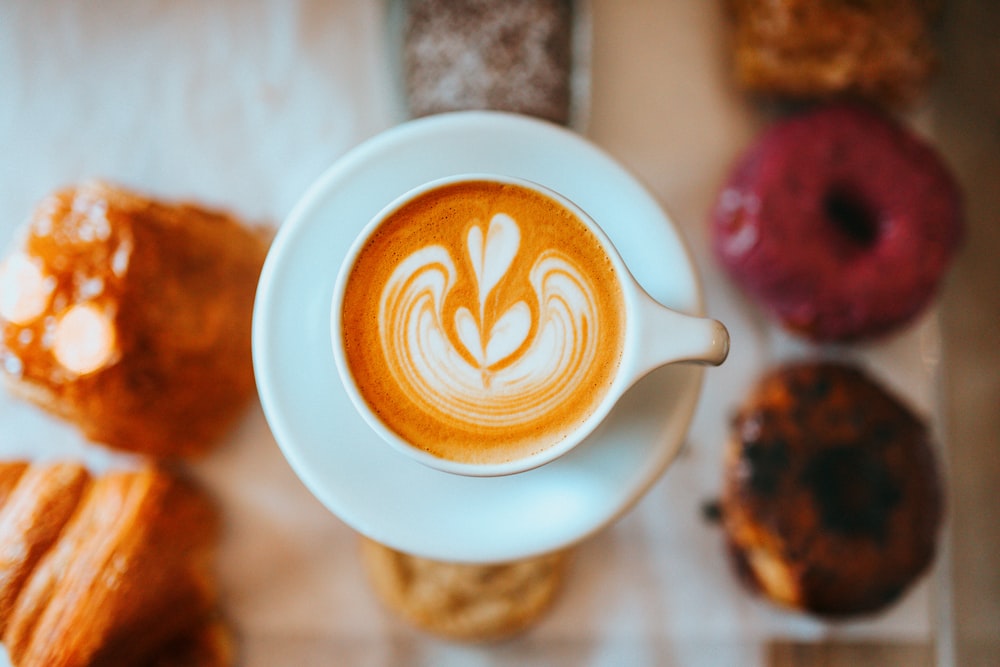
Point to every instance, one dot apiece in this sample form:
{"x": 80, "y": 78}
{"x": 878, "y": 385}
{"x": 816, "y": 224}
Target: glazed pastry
{"x": 131, "y": 318}
{"x": 840, "y": 222}
{"x": 113, "y": 570}
{"x": 461, "y": 601}
{"x": 832, "y": 499}
{"x": 480, "y": 54}
{"x": 879, "y": 50}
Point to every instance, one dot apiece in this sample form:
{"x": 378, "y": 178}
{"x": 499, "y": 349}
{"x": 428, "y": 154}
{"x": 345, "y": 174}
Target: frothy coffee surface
{"x": 483, "y": 322}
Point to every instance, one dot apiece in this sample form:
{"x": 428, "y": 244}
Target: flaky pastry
{"x": 108, "y": 570}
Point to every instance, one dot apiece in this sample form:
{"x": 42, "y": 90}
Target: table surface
{"x": 969, "y": 129}
{"x": 630, "y": 112}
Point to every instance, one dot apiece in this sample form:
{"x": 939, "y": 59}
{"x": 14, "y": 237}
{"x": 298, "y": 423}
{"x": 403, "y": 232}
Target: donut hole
{"x": 851, "y": 216}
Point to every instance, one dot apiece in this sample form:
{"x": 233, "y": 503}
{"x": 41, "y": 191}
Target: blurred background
{"x": 968, "y": 100}
{"x": 243, "y": 104}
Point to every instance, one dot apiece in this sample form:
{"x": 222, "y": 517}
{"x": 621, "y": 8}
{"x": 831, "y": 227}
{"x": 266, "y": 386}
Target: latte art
{"x": 482, "y": 322}
{"x": 494, "y": 364}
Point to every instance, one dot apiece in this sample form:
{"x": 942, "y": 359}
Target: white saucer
{"x": 377, "y": 490}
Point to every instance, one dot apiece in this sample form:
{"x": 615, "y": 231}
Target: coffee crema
{"x": 482, "y": 322}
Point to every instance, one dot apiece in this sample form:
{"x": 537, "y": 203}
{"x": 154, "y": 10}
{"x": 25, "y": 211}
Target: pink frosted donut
{"x": 840, "y": 222}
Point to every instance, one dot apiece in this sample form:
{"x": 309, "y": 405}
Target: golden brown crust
{"x": 460, "y": 601}
{"x": 880, "y": 50}
{"x": 832, "y": 499}
{"x": 210, "y": 645}
{"x": 43, "y": 500}
{"x": 133, "y": 319}
{"x": 10, "y": 473}
{"x": 128, "y": 575}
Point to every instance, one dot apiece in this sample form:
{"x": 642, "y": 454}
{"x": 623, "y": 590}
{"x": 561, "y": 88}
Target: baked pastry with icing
{"x": 131, "y": 317}
{"x": 832, "y": 498}
{"x": 840, "y": 221}
{"x": 108, "y": 570}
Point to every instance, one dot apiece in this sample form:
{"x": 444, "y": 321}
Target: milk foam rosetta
{"x": 482, "y": 322}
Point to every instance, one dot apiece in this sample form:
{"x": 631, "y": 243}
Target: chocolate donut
{"x": 832, "y": 499}
{"x": 840, "y": 222}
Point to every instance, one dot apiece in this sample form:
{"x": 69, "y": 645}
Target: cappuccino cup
{"x": 485, "y": 325}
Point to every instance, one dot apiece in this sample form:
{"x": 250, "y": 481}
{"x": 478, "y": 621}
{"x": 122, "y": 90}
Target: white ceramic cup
{"x": 654, "y": 336}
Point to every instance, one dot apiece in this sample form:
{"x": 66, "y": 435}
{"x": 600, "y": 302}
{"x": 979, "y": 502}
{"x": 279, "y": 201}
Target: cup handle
{"x": 667, "y": 336}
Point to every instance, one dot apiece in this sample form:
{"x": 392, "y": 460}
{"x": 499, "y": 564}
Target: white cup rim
{"x": 630, "y": 368}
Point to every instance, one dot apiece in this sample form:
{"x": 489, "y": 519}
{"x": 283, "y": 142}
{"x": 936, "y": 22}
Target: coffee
{"x": 482, "y": 322}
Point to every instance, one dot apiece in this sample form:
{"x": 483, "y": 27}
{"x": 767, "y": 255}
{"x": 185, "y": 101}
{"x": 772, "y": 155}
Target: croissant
{"x": 131, "y": 318}
{"x": 112, "y": 570}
